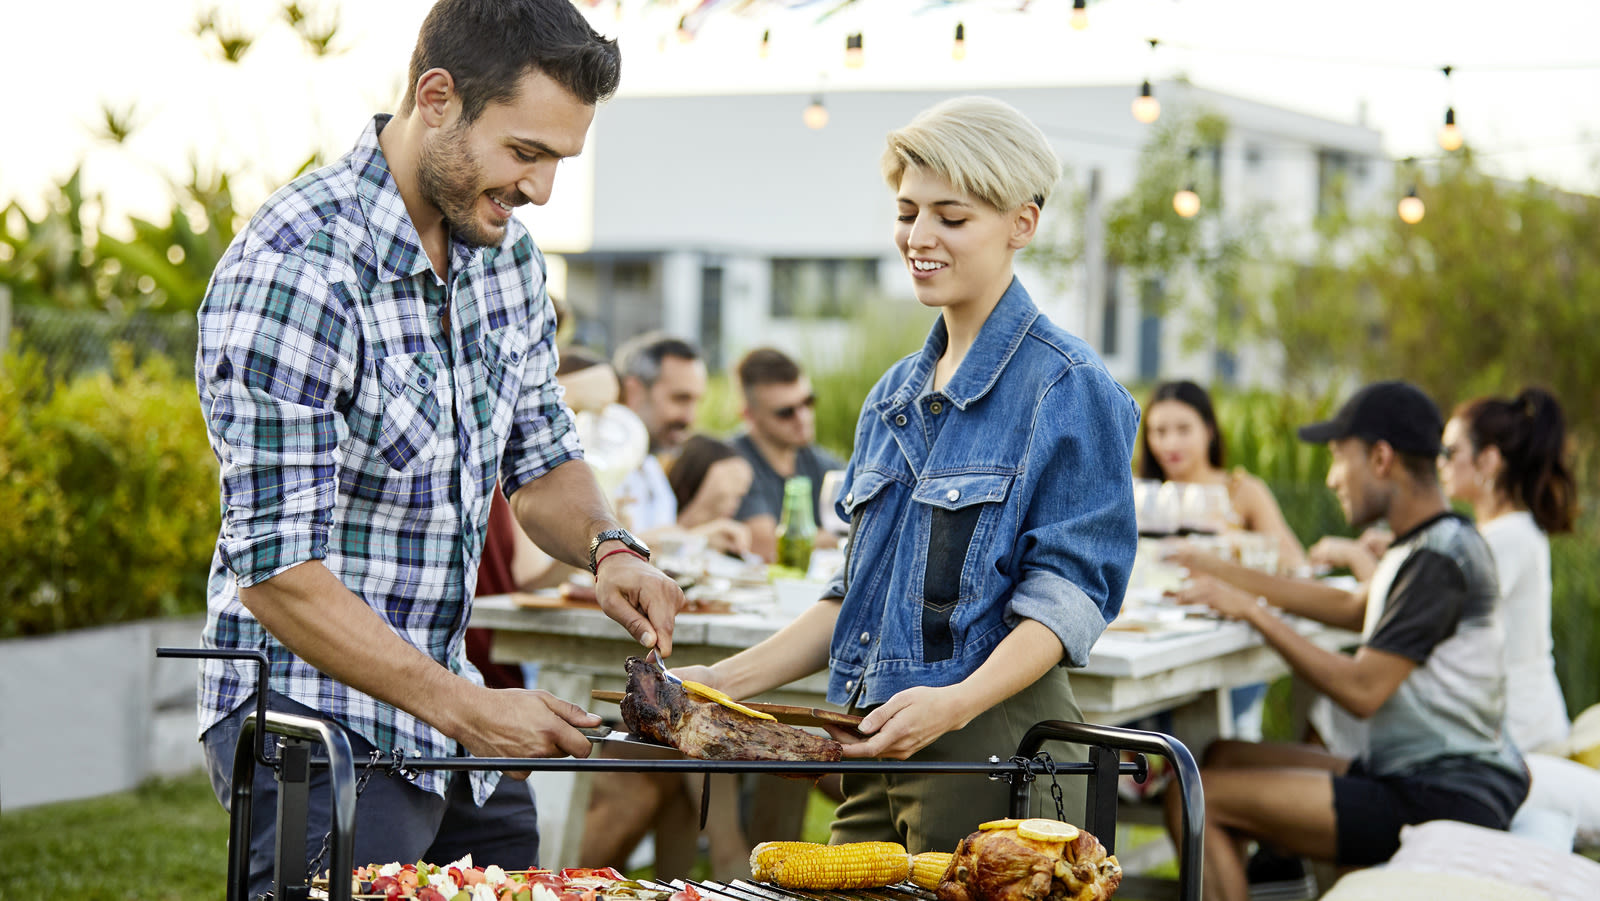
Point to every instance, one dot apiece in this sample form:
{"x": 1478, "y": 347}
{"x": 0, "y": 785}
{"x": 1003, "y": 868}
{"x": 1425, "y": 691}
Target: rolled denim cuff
{"x": 1063, "y": 608}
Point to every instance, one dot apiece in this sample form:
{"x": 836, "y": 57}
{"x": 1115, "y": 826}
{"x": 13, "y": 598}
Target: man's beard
{"x": 450, "y": 178}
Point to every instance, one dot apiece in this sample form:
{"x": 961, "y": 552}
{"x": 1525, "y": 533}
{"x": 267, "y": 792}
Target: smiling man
{"x": 376, "y": 350}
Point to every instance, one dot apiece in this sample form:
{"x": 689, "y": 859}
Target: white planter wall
{"x": 93, "y": 711}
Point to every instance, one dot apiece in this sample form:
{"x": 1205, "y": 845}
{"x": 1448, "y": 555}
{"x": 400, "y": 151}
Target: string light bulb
{"x": 958, "y": 51}
{"x": 1080, "y": 15}
{"x": 854, "y": 54}
{"x": 1450, "y": 136}
{"x": 766, "y": 42}
{"x": 1186, "y": 203}
{"x": 816, "y": 115}
{"x": 1146, "y": 108}
{"x": 1411, "y": 208}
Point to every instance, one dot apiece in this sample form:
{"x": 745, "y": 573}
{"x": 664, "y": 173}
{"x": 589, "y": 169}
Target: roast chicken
{"x": 661, "y": 711}
{"x": 998, "y": 864}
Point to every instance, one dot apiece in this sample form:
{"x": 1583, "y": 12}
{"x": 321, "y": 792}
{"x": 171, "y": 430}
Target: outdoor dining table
{"x": 1187, "y": 670}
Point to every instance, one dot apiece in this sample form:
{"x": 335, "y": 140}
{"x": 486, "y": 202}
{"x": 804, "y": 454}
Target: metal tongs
{"x": 705, "y": 783}
{"x": 655, "y": 657}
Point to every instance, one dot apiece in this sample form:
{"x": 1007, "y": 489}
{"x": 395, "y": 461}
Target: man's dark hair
{"x": 487, "y": 46}
{"x": 1425, "y": 470}
{"x": 640, "y": 357}
{"x": 767, "y": 366}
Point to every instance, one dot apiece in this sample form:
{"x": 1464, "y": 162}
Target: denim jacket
{"x": 1006, "y": 495}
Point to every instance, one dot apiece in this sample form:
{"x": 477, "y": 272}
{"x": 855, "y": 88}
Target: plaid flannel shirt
{"x": 356, "y": 426}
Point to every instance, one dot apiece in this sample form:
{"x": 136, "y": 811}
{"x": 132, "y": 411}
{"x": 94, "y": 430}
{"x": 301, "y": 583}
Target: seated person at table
{"x": 1430, "y": 678}
{"x": 709, "y": 480}
{"x": 779, "y": 441}
{"x": 1182, "y": 443}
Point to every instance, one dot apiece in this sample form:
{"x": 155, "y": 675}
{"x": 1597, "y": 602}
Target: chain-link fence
{"x": 77, "y": 341}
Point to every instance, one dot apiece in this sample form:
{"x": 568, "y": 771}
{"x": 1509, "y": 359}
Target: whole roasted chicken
{"x": 706, "y": 724}
{"x": 1030, "y": 860}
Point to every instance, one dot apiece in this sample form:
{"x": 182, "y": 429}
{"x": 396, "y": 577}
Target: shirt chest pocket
{"x": 503, "y": 354}
{"x": 410, "y": 416}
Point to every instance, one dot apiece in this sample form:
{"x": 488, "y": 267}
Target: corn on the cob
{"x": 765, "y": 856}
{"x": 848, "y": 866}
{"x": 928, "y": 868}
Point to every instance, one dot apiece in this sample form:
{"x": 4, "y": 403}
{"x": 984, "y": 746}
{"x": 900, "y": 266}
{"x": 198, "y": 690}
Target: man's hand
{"x": 907, "y": 723}
{"x": 643, "y": 599}
{"x": 1228, "y": 601}
{"x": 515, "y": 722}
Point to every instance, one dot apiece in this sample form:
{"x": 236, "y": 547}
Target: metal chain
{"x": 1045, "y": 760}
{"x": 397, "y": 766}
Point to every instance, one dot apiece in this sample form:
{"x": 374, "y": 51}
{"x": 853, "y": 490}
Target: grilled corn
{"x": 927, "y": 868}
{"x": 849, "y": 866}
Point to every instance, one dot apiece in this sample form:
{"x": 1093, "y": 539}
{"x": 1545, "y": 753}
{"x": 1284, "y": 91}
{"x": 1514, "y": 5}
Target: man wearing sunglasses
{"x": 780, "y": 428}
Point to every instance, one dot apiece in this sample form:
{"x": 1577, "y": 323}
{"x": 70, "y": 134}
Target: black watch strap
{"x": 623, "y": 535}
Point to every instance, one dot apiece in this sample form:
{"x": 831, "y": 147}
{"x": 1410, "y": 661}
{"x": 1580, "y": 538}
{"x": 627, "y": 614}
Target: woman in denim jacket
{"x": 990, "y": 501}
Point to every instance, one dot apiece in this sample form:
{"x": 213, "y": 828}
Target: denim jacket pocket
{"x": 961, "y": 519}
{"x": 410, "y": 407}
{"x": 864, "y": 488}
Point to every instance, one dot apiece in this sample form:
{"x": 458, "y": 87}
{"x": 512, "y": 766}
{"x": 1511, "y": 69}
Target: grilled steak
{"x": 661, "y": 711}
{"x": 1000, "y": 865}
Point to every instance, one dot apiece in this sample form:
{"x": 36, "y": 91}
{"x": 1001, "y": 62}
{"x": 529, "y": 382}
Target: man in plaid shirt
{"x": 376, "y": 351}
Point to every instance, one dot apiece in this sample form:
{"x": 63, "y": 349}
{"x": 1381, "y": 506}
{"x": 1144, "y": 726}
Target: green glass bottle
{"x": 797, "y": 530}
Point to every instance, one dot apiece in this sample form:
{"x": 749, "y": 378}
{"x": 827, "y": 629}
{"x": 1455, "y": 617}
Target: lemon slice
{"x": 711, "y": 694}
{"x": 1007, "y": 823}
{"x": 1042, "y": 830}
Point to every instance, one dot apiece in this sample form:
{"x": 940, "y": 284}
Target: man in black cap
{"x": 1428, "y": 676}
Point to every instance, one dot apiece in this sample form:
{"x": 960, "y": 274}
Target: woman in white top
{"x": 1505, "y": 457}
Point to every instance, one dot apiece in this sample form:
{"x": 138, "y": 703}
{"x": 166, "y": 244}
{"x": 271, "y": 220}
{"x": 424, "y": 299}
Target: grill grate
{"x": 744, "y": 890}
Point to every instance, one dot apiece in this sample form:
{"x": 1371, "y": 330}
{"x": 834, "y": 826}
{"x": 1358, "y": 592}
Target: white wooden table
{"x": 580, "y": 650}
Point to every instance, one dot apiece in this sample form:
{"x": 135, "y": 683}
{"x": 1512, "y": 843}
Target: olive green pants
{"x": 928, "y": 812}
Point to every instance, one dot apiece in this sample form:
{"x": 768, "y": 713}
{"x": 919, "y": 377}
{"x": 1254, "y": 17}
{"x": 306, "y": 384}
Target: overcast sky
{"x": 1525, "y": 87}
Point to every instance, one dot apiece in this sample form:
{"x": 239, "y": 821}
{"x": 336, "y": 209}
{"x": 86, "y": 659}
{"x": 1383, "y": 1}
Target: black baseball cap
{"x": 1394, "y": 412}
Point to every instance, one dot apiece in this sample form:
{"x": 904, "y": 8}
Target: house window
{"x": 1337, "y": 172}
{"x": 821, "y": 287}
{"x": 1111, "y": 321}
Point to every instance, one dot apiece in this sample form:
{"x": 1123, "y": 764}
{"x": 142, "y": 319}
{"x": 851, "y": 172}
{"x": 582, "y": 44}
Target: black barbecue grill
{"x": 293, "y": 763}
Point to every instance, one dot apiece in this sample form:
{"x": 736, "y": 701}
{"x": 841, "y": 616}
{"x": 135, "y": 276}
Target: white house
{"x": 725, "y": 219}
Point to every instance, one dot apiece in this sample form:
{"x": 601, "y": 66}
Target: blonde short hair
{"x": 982, "y": 147}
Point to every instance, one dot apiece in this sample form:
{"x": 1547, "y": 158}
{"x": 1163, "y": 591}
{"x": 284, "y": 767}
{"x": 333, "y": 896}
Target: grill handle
{"x": 342, "y": 783}
{"x": 262, "y": 674}
{"x": 1101, "y": 814}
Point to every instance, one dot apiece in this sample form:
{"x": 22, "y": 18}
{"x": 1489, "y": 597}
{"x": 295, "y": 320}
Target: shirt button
{"x": 900, "y": 420}
{"x": 850, "y": 686}
{"x": 953, "y": 496}
{"x": 936, "y": 407}
{"x": 423, "y": 382}
{"x": 866, "y": 637}
{"x": 849, "y": 498}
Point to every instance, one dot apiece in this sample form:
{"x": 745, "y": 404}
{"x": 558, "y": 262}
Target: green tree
{"x": 1492, "y": 290}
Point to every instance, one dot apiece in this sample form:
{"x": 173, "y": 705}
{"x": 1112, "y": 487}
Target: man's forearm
{"x": 1330, "y": 672}
{"x": 314, "y": 615}
{"x": 1302, "y": 597}
{"x": 563, "y": 510}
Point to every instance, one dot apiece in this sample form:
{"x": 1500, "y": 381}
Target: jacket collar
{"x": 394, "y": 237}
{"x": 997, "y": 341}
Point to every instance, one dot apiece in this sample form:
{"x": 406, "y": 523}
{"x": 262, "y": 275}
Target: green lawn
{"x": 165, "y": 841}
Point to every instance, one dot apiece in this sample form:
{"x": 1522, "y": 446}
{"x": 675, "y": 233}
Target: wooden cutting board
{"x": 783, "y": 713}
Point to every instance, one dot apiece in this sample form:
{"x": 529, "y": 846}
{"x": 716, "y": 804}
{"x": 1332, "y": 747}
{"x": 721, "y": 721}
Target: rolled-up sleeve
{"x": 272, "y": 345}
{"x": 1078, "y": 538}
{"x": 543, "y": 432}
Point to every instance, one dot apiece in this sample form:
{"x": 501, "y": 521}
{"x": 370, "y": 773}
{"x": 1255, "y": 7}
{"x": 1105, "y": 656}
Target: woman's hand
{"x": 907, "y": 723}
{"x": 1334, "y": 552}
{"x": 705, "y": 675}
{"x": 1228, "y": 601}
{"x": 726, "y": 535}
{"x": 1189, "y": 556}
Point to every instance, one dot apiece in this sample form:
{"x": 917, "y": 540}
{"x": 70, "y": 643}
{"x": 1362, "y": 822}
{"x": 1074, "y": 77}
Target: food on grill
{"x": 661, "y": 711}
{"x": 854, "y": 865}
{"x": 928, "y": 868}
{"x": 1030, "y": 860}
{"x": 461, "y": 881}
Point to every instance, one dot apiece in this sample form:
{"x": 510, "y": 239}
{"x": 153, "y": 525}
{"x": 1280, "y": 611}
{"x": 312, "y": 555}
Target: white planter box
{"x": 93, "y": 711}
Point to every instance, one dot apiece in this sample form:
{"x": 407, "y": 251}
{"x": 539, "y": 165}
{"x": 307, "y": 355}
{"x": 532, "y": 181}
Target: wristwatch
{"x": 622, "y": 535}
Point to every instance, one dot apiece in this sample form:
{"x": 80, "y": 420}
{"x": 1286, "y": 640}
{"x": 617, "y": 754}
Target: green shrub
{"x": 117, "y": 490}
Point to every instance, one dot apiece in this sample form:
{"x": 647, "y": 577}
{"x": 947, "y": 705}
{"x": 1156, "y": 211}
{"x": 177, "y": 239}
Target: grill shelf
{"x": 297, "y": 734}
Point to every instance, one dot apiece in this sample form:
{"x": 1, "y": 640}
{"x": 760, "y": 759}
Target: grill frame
{"x": 296, "y": 735}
